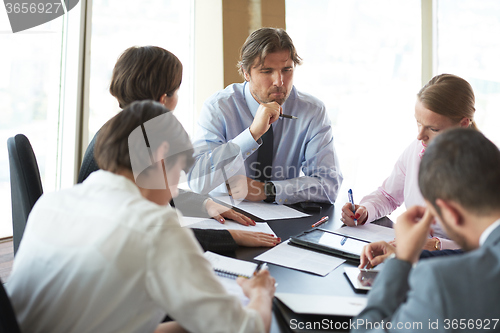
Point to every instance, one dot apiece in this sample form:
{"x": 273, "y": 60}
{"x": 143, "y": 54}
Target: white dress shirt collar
{"x": 488, "y": 231}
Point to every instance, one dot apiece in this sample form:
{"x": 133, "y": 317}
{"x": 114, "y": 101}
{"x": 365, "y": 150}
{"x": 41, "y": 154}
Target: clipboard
{"x": 330, "y": 242}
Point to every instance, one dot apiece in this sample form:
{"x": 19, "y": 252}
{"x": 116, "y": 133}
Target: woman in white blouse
{"x": 109, "y": 255}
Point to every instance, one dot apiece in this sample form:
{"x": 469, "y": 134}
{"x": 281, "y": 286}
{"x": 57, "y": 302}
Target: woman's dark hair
{"x": 146, "y": 72}
{"x": 149, "y": 121}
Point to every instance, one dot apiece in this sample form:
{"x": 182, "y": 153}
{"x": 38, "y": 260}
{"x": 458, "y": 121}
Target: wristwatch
{"x": 437, "y": 245}
{"x": 269, "y": 191}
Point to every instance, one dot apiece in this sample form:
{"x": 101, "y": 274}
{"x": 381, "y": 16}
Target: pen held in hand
{"x": 260, "y": 266}
{"x": 353, "y": 206}
{"x": 288, "y": 116}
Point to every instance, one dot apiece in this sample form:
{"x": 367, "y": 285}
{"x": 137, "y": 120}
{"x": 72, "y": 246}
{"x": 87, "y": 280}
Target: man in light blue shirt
{"x": 233, "y": 122}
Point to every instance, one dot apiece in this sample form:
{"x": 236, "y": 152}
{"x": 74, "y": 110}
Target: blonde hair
{"x": 450, "y": 96}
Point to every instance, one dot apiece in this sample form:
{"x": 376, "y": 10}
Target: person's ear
{"x": 163, "y": 99}
{"x": 450, "y": 212}
{"x": 246, "y": 75}
{"x": 161, "y": 151}
{"x": 465, "y": 122}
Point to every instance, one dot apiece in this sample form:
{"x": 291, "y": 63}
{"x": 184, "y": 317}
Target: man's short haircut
{"x": 262, "y": 42}
{"x": 146, "y": 72}
{"x": 463, "y": 166}
{"x": 112, "y": 146}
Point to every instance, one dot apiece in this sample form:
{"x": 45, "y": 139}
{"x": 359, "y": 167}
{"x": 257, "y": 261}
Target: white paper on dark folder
{"x": 263, "y": 210}
{"x": 301, "y": 259}
{"x": 323, "y": 304}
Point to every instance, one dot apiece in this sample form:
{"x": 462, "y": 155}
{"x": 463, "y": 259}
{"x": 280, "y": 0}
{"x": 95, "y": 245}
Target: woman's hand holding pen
{"x": 262, "y": 280}
{"x": 260, "y": 289}
{"x": 348, "y": 216}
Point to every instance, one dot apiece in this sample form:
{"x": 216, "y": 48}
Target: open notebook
{"x": 230, "y": 267}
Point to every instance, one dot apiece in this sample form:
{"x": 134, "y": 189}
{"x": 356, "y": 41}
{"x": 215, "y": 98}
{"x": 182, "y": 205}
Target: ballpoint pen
{"x": 323, "y": 220}
{"x": 260, "y": 266}
{"x": 288, "y": 116}
{"x": 353, "y": 207}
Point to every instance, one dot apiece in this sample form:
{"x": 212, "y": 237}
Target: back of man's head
{"x": 262, "y": 42}
{"x": 463, "y": 166}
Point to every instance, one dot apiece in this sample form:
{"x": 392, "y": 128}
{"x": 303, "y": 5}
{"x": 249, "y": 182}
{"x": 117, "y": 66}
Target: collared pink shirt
{"x": 402, "y": 186}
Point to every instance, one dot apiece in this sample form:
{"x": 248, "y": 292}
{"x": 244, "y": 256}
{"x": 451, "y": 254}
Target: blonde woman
{"x": 446, "y": 101}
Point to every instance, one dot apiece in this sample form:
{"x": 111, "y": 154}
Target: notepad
{"x": 230, "y": 267}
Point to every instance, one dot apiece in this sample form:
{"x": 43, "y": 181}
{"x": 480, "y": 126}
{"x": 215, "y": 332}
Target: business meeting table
{"x": 298, "y": 282}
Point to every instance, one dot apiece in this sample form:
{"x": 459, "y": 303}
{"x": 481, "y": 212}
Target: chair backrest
{"x": 8, "y": 321}
{"x": 25, "y": 183}
{"x": 89, "y": 164}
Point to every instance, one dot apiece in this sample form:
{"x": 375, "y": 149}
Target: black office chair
{"x": 25, "y": 183}
{"x": 89, "y": 164}
{"x": 8, "y": 321}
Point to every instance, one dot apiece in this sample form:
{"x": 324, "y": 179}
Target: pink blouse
{"x": 402, "y": 186}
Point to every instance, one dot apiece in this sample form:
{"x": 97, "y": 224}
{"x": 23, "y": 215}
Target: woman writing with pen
{"x": 446, "y": 101}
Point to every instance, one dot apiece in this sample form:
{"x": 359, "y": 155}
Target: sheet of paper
{"x": 301, "y": 259}
{"x": 203, "y": 223}
{"x": 264, "y": 210}
{"x": 187, "y": 221}
{"x": 322, "y": 304}
{"x": 223, "y": 264}
{"x": 369, "y": 232}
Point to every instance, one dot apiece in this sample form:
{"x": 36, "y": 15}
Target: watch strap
{"x": 269, "y": 191}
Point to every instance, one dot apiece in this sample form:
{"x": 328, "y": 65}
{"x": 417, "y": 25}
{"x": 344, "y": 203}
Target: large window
{"x": 120, "y": 24}
{"x": 469, "y": 46}
{"x": 362, "y": 58}
{"x": 30, "y": 67}
{"x": 41, "y": 82}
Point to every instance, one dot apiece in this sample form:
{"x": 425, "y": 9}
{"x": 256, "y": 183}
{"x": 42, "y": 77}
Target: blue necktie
{"x": 265, "y": 157}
